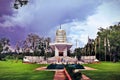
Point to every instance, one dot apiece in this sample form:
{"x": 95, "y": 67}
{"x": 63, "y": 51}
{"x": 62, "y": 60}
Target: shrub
{"x": 9, "y": 57}
{"x": 51, "y": 66}
{"x": 55, "y": 66}
{"x": 59, "y": 66}
{"x": 3, "y": 59}
{"x": 70, "y": 69}
{"x": 77, "y": 76}
{"x": 76, "y": 66}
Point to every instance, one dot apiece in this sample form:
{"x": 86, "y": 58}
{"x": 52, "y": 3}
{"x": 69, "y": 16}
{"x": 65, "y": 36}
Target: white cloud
{"x": 107, "y": 14}
{"x": 79, "y": 18}
{"x": 43, "y": 15}
{"x": 104, "y": 17}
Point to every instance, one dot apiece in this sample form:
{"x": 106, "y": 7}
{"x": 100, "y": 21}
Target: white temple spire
{"x": 60, "y": 26}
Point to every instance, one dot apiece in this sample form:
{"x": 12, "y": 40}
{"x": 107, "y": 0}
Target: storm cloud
{"x": 43, "y": 17}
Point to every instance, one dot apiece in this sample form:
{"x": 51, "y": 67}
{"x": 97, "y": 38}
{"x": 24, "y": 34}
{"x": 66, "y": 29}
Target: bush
{"x": 76, "y": 66}
{"x": 77, "y": 76}
{"x": 51, "y": 66}
{"x": 70, "y": 69}
{"x": 3, "y": 59}
{"x": 55, "y": 66}
{"x": 9, "y": 57}
{"x": 59, "y": 66}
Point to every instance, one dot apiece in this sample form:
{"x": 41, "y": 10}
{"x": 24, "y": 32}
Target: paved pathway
{"x": 60, "y": 75}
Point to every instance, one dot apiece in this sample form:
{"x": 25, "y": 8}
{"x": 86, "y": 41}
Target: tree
{"x": 5, "y": 42}
{"x": 38, "y": 45}
{"x": 77, "y": 53}
{"x": 1, "y": 48}
{"x": 4, "y": 47}
{"x": 110, "y": 40}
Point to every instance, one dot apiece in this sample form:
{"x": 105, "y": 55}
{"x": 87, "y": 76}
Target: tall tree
{"x": 38, "y": 45}
{"x": 78, "y": 53}
{"x": 110, "y": 42}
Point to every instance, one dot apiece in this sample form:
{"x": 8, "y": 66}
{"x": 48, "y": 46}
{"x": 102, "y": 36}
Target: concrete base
{"x": 64, "y": 60}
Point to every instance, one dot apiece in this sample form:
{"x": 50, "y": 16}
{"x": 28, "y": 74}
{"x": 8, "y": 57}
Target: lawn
{"x": 10, "y": 70}
{"x": 105, "y": 71}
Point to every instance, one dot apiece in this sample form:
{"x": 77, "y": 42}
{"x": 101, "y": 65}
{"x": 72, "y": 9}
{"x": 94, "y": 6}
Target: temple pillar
{"x": 65, "y": 52}
{"x": 56, "y": 52}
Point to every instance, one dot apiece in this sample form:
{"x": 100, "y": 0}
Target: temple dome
{"x": 60, "y": 36}
{"x": 60, "y": 46}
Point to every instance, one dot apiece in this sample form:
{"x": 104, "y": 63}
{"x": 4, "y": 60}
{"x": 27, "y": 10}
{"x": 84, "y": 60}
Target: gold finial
{"x": 60, "y": 26}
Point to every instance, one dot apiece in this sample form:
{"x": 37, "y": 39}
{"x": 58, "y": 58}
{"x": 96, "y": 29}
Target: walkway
{"x": 60, "y": 75}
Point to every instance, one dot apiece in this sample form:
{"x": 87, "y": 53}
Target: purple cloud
{"x": 15, "y": 34}
{"x": 5, "y": 7}
{"x": 41, "y": 16}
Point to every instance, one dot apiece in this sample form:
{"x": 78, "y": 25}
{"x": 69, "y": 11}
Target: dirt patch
{"x": 40, "y": 68}
{"x": 89, "y": 68}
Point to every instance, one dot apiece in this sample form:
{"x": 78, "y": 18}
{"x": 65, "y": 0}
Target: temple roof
{"x": 60, "y": 36}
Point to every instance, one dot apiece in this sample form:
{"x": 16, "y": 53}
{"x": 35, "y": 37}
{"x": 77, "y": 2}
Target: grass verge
{"x": 105, "y": 71}
{"x": 10, "y": 70}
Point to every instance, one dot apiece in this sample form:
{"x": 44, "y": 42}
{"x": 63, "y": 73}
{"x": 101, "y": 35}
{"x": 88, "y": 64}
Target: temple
{"x": 60, "y": 46}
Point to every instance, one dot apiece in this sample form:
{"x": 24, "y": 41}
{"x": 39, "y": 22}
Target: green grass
{"x": 10, "y": 70}
{"x": 105, "y": 71}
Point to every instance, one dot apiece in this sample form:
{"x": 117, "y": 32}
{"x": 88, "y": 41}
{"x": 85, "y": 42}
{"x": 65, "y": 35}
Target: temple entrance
{"x": 60, "y": 53}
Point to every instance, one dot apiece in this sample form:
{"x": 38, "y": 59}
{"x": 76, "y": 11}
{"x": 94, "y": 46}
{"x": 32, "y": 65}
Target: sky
{"x": 79, "y": 18}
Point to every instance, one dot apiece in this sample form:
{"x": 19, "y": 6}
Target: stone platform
{"x": 62, "y": 60}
